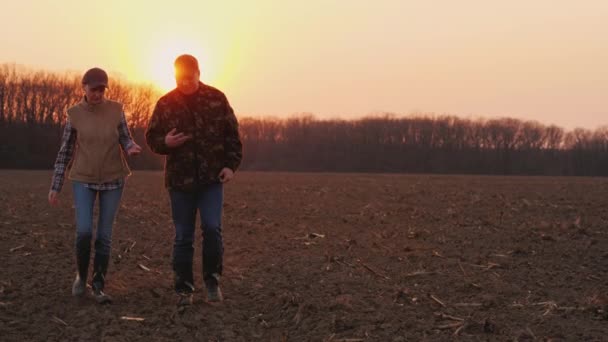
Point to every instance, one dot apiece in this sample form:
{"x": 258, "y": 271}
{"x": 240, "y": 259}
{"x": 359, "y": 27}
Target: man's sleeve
{"x": 232, "y": 143}
{"x": 157, "y": 130}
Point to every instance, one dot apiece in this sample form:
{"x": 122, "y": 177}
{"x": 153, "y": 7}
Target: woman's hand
{"x": 134, "y": 150}
{"x": 53, "y": 197}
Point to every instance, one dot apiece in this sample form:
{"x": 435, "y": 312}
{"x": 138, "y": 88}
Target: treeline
{"x": 33, "y": 106}
{"x": 424, "y": 144}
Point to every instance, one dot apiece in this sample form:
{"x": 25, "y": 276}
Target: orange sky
{"x": 544, "y": 60}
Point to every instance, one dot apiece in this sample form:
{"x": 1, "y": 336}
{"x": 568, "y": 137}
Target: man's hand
{"x": 53, "y": 198}
{"x": 226, "y": 175}
{"x": 134, "y": 150}
{"x": 173, "y": 139}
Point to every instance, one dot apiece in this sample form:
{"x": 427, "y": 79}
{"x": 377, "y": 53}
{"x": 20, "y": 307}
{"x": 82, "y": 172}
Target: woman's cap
{"x": 95, "y": 77}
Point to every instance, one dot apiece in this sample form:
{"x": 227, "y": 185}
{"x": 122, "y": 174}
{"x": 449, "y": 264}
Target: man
{"x": 196, "y": 129}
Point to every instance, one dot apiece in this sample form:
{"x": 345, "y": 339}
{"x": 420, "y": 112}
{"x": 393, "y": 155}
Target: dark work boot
{"x": 184, "y": 282}
{"x": 79, "y": 286}
{"x": 83, "y": 255}
{"x": 214, "y": 292}
{"x": 100, "y": 268}
{"x": 212, "y": 268}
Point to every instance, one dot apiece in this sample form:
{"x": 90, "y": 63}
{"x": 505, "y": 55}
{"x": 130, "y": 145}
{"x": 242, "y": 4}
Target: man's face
{"x": 94, "y": 95}
{"x": 187, "y": 80}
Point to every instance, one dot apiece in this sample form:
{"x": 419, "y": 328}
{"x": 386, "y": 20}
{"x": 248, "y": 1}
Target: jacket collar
{"x": 181, "y": 97}
{"x": 90, "y": 107}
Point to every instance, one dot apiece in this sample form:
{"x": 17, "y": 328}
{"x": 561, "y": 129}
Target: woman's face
{"x": 94, "y": 95}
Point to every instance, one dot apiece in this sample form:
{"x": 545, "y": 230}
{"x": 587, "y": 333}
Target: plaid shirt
{"x": 66, "y": 151}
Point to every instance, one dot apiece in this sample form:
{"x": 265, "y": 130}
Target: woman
{"x": 95, "y": 130}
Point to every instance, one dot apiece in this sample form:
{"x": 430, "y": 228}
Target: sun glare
{"x": 161, "y": 60}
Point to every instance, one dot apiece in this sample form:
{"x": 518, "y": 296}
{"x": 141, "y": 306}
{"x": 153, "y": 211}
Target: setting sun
{"x": 159, "y": 66}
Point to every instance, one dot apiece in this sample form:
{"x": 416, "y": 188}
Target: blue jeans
{"x": 208, "y": 200}
{"x": 84, "y": 201}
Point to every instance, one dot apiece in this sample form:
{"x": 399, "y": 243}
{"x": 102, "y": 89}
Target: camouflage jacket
{"x": 215, "y": 143}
